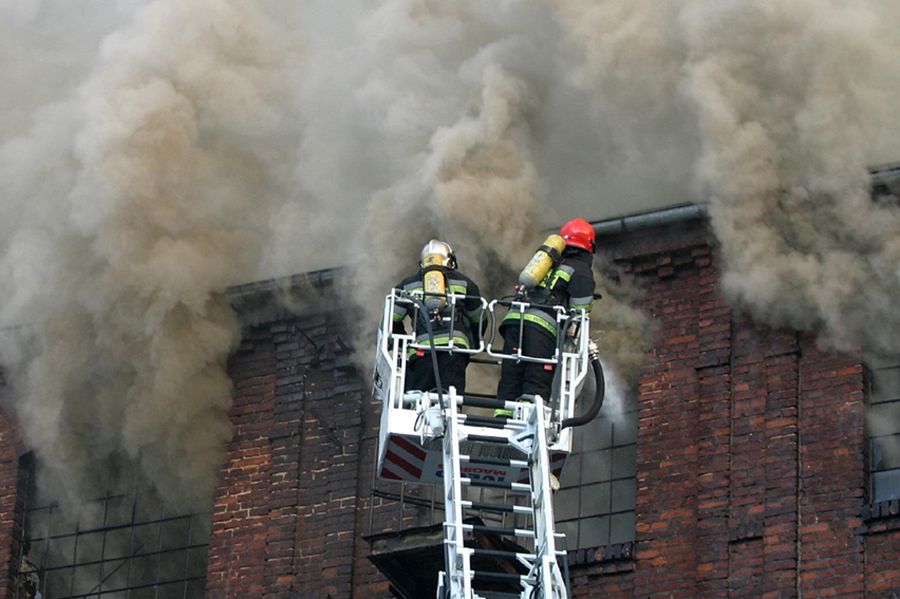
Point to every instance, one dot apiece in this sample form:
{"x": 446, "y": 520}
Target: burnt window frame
{"x": 623, "y": 432}
{"x": 875, "y": 398}
{"x": 36, "y": 530}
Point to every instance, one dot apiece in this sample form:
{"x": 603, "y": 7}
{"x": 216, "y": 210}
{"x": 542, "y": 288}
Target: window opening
{"x": 595, "y": 505}
{"x": 883, "y": 432}
{"x": 123, "y": 545}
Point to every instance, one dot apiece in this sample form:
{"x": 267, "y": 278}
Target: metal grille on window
{"x": 595, "y": 503}
{"x": 122, "y": 545}
{"x": 883, "y": 422}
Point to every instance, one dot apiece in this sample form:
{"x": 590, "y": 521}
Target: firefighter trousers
{"x": 526, "y": 378}
{"x": 451, "y": 366}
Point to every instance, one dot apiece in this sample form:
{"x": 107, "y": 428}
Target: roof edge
{"x": 653, "y": 218}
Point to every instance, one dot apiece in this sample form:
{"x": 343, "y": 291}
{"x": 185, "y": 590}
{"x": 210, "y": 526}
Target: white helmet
{"x": 439, "y": 253}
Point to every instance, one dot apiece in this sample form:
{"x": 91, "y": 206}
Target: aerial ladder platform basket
{"x": 438, "y": 437}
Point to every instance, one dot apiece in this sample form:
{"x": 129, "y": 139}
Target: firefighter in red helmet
{"x": 579, "y": 233}
{"x": 569, "y": 284}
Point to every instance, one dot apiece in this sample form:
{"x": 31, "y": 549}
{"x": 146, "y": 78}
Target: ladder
{"x": 541, "y": 576}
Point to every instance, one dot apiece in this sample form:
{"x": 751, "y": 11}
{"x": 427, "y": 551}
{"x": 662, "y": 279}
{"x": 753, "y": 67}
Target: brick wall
{"x": 750, "y": 478}
{"x": 882, "y": 546}
{"x": 10, "y": 511}
{"x": 293, "y": 494}
{"x": 750, "y": 452}
{"x": 243, "y": 512}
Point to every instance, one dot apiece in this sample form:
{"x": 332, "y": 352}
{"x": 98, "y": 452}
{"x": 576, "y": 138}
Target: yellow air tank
{"x": 434, "y": 282}
{"x": 543, "y": 260}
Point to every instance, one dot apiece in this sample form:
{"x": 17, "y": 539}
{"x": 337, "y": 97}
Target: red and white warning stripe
{"x": 403, "y": 460}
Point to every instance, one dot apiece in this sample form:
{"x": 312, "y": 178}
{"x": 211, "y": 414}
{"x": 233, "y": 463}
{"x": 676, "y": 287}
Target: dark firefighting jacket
{"x": 570, "y": 285}
{"x": 462, "y": 323}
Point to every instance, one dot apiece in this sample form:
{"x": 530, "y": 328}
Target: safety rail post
{"x": 575, "y": 365}
{"x": 546, "y": 565}
{"x": 457, "y": 557}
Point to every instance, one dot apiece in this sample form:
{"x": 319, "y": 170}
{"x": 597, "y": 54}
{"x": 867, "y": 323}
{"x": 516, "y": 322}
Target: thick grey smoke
{"x": 129, "y": 204}
{"x": 777, "y": 109}
{"x": 477, "y": 187}
{"x": 498, "y": 158}
{"x": 782, "y": 107}
{"x": 787, "y": 134}
{"x": 161, "y": 151}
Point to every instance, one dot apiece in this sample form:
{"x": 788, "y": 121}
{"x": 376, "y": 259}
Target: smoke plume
{"x": 787, "y": 134}
{"x": 778, "y": 107}
{"x": 128, "y": 207}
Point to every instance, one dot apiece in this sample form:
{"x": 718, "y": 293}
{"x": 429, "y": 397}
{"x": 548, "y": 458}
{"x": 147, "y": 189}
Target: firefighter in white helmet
{"x": 436, "y": 278}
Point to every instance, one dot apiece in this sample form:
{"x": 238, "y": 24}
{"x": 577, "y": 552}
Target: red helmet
{"x": 579, "y": 233}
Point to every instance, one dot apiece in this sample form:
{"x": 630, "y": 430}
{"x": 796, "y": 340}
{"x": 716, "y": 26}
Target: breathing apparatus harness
{"x": 434, "y": 361}
{"x": 434, "y": 300}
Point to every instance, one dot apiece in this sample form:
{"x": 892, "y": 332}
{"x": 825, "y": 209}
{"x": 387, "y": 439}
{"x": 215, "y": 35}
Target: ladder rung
{"x": 493, "y": 461}
{"x": 503, "y": 554}
{"x": 501, "y": 440}
{"x": 510, "y": 532}
{"x": 500, "y": 577}
{"x": 472, "y": 395}
{"x": 483, "y": 401}
{"x": 496, "y": 484}
{"x": 494, "y": 507}
{"x": 490, "y": 421}
{"x": 496, "y": 595}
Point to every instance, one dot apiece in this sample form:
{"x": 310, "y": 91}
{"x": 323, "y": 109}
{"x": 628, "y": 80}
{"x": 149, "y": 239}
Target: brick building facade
{"x": 750, "y": 471}
{"x": 10, "y": 513}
